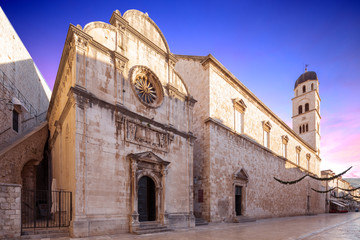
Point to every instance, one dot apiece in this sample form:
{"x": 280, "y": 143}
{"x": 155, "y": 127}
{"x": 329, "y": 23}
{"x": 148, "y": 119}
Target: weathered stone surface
{"x": 19, "y": 79}
{"x": 104, "y": 137}
{"x": 10, "y": 216}
{"x": 220, "y": 152}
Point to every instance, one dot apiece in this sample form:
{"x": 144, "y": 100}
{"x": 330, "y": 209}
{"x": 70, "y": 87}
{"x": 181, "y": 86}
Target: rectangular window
{"x": 298, "y": 158}
{"x": 15, "y": 121}
{"x": 266, "y": 139}
{"x": 284, "y": 150}
{"x": 238, "y": 121}
{"x": 308, "y": 165}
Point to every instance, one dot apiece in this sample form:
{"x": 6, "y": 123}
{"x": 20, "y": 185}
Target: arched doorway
{"x": 146, "y": 199}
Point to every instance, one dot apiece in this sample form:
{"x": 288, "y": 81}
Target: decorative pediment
{"x": 267, "y": 126}
{"x": 285, "y": 139}
{"x": 239, "y": 104}
{"x": 148, "y": 157}
{"x": 241, "y": 175}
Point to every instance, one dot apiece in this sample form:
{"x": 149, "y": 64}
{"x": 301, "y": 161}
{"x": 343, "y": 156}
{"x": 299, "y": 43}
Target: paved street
{"x": 319, "y": 227}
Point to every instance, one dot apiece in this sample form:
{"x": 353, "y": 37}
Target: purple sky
{"x": 265, "y": 44}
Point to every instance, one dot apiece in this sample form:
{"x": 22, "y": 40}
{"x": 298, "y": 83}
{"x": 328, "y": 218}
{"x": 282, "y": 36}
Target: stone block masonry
{"x": 10, "y": 211}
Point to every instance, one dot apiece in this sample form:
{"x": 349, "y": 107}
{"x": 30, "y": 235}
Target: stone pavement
{"x": 318, "y": 227}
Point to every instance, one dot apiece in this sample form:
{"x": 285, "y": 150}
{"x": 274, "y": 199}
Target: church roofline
{"x": 211, "y": 59}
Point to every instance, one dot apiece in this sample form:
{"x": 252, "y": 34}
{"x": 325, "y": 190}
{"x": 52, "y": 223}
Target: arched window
{"x": 304, "y": 88}
{"x": 303, "y": 128}
{"x": 300, "y": 109}
{"x": 306, "y": 107}
{"x": 312, "y": 86}
{"x": 307, "y": 127}
{"x": 299, "y": 129}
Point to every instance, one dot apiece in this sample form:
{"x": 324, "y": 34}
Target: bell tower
{"x": 306, "y": 109}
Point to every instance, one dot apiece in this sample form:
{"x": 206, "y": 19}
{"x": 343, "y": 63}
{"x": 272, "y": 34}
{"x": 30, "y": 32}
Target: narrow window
{"x": 306, "y": 107}
{"x": 284, "y": 150}
{"x": 299, "y": 129}
{"x": 298, "y": 150}
{"x": 308, "y": 165}
{"x": 307, "y": 127}
{"x": 300, "y": 109}
{"x": 303, "y": 128}
{"x": 312, "y": 86}
{"x": 304, "y": 88}
{"x": 238, "y": 121}
{"x": 297, "y": 92}
{"x": 266, "y": 139}
{"x": 15, "y": 121}
{"x": 298, "y": 158}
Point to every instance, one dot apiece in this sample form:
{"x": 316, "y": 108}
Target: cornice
{"x": 64, "y": 57}
{"x": 78, "y": 91}
{"x": 116, "y": 20}
{"x": 317, "y": 93}
{"x": 247, "y": 138}
{"x": 235, "y": 82}
{"x": 312, "y": 110}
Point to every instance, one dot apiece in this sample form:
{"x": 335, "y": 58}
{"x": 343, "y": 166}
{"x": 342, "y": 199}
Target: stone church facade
{"x": 120, "y": 122}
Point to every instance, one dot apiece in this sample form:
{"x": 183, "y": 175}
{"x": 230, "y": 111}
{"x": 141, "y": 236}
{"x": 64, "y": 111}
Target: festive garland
{"x": 343, "y": 197}
{"x": 323, "y": 191}
{"x": 330, "y": 178}
{"x": 290, "y": 182}
{"x": 349, "y": 190}
{"x": 354, "y": 196}
{"x": 314, "y": 177}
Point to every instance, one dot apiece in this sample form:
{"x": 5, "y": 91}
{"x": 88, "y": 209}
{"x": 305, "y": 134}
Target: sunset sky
{"x": 265, "y": 44}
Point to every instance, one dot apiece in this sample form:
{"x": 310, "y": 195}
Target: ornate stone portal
{"x": 149, "y": 165}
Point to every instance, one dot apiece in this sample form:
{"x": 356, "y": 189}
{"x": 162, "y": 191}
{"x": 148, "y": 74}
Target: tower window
{"x": 306, "y": 107}
{"x": 312, "y": 86}
{"x": 299, "y": 129}
{"x": 300, "y": 109}
{"x": 15, "y": 121}
{"x": 303, "y": 128}
{"x": 304, "y": 88}
{"x": 307, "y": 127}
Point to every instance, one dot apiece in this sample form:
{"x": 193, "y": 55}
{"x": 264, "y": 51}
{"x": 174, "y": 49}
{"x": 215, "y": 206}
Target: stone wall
{"x": 20, "y": 79}
{"x": 265, "y": 197}
{"x": 223, "y": 89}
{"x": 10, "y": 211}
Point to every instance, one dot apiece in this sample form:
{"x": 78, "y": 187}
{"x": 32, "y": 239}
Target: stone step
{"x": 200, "y": 222}
{"x": 44, "y": 233}
{"x": 151, "y": 227}
{"x": 243, "y": 219}
{"x": 151, "y": 230}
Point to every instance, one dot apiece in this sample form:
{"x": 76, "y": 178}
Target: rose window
{"x": 146, "y": 86}
{"x": 145, "y": 89}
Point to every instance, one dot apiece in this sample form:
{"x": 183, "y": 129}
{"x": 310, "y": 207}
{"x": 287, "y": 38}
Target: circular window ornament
{"x": 146, "y": 86}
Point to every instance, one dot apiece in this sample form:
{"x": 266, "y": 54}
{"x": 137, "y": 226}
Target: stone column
{"x": 134, "y": 217}
{"x": 163, "y": 213}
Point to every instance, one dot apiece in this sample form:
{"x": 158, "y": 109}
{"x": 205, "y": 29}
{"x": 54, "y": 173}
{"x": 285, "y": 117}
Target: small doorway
{"x": 238, "y": 190}
{"x": 146, "y": 199}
